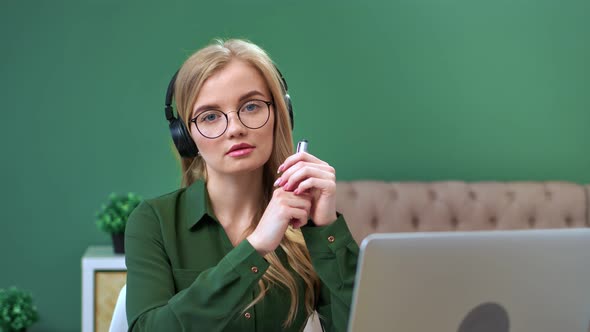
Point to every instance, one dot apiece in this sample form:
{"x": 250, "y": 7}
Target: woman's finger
{"x": 301, "y": 156}
{"x": 306, "y": 173}
{"x": 311, "y": 183}
{"x": 297, "y": 167}
{"x": 298, "y": 218}
{"x": 299, "y": 202}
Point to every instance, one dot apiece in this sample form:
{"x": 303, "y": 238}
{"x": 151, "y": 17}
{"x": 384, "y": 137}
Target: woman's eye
{"x": 251, "y": 107}
{"x": 209, "y": 117}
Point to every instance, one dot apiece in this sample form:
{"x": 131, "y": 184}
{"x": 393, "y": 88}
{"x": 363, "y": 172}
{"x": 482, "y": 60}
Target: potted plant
{"x": 112, "y": 218}
{"x": 17, "y": 311}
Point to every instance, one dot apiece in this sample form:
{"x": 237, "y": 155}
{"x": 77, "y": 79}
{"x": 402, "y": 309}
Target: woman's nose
{"x": 234, "y": 124}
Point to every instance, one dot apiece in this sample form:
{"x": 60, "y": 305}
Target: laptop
{"x": 484, "y": 281}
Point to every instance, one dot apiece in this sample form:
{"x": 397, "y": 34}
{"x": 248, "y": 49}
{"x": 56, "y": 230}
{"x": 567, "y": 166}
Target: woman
{"x": 252, "y": 242}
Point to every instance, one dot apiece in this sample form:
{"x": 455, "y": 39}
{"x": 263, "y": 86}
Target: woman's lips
{"x": 240, "y": 152}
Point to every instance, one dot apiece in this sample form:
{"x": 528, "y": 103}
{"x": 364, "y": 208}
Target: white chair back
{"x": 119, "y": 320}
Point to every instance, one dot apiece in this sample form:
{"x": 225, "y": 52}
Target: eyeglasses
{"x": 253, "y": 114}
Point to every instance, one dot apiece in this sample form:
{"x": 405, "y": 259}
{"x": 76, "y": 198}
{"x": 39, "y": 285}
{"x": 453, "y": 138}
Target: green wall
{"x": 393, "y": 90}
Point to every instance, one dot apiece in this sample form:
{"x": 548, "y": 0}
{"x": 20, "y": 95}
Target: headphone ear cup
{"x": 290, "y": 109}
{"x": 182, "y": 139}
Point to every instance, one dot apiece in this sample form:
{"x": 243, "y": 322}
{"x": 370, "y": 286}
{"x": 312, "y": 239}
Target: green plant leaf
{"x": 112, "y": 217}
{"x": 17, "y": 310}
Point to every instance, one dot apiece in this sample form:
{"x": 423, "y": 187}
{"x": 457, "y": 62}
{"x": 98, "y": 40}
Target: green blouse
{"x": 183, "y": 273}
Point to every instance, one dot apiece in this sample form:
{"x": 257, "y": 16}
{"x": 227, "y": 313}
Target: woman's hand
{"x": 308, "y": 176}
{"x": 284, "y": 209}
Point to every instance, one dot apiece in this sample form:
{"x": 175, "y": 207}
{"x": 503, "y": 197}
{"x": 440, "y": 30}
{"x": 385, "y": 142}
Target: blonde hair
{"x": 191, "y": 76}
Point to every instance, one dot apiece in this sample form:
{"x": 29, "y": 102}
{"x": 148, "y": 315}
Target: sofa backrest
{"x": 383, "y": 207}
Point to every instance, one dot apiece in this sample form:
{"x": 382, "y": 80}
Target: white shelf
{"x": 96, "y": 258}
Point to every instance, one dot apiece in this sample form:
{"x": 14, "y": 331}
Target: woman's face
{"x": 238, "y": 86}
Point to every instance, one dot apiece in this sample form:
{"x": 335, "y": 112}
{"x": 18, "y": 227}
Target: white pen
{"x": 302, "y": 146}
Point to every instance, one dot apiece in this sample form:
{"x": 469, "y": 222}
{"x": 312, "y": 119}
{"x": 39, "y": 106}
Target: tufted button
{"x": 510, "y": 195}
{"x": 493, "y": 221}
{"x": 454, "y": 222}
{"x": 352, "y": 193}
{"x": 532, "y": 221}
{"x": 415, "y": 221}
{"x": 254, "y": 269}
{"x": 432, "y": 194}
{"x": 472, "y": 195}
{"x": 393, "y": 194}
{"x": 331, "y": 239}
{"x": 568, "y": 221}
{"x": 548, "y": 194}
{"x": 373, "y": 222}
{"x": 247, "y": 315}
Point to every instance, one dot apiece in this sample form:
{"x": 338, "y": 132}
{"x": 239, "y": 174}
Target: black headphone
{"x": 180, "y": 134}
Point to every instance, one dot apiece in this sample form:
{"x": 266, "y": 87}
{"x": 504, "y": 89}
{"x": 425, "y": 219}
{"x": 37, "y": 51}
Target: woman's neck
{"x": 235, "y": 199}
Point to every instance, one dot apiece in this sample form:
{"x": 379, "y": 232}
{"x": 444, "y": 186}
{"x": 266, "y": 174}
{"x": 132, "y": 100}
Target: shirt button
{"x": 254, "y": 269}
{"x": 247, "y": 315}
{"x": 331, "y": 239}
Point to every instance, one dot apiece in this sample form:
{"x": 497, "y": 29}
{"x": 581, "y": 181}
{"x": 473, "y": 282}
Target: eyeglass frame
{"x": 268, "y": 103}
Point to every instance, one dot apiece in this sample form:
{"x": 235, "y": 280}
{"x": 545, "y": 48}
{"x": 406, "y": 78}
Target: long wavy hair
{"x": 193, "y": 73}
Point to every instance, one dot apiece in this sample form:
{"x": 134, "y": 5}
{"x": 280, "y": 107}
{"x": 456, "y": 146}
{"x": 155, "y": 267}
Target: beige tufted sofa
{"x": 386, "y": 207}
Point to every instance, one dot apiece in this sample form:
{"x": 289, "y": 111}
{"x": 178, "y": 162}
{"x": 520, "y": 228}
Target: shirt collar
{"x": 194, "y": 204}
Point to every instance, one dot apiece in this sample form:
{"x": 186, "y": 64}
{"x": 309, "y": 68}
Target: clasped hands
{"x": 306, "y": 189}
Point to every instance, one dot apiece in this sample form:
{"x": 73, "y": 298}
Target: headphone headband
{"x": 169, "y": 96}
